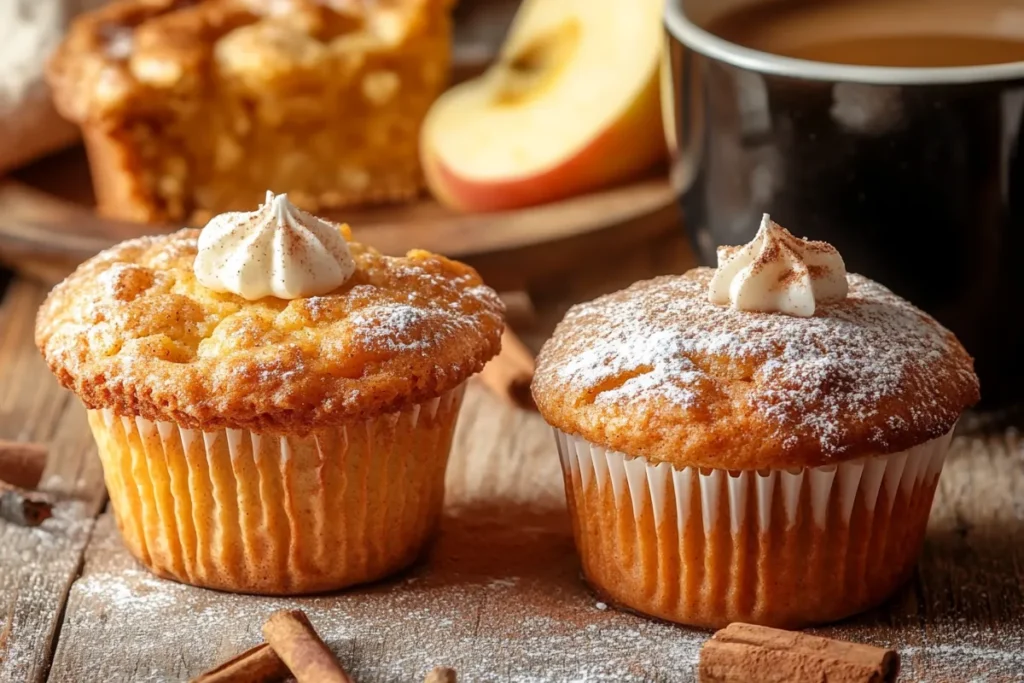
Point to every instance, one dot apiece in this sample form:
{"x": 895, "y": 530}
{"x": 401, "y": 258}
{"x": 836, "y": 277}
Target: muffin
{"x": 272, "y": 402}
{"x": 756, "y": 443}
{"x": 193, "y": 107}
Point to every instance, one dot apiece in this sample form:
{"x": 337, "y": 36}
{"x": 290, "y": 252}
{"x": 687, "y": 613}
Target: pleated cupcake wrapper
{"x": 651, "y": 483}
{"x": 824, "y": 506}
{"x": 236, "y": 510}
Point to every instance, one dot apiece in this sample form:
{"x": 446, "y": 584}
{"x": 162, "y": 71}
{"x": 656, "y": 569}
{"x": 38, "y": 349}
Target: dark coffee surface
{"x": 907, "y": 33}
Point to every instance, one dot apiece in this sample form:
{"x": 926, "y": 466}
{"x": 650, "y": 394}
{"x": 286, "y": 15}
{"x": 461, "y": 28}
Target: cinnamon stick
{"x": 510, "y": 373}
{"x": 441, "y": 674}
{"x": 519, "y": 309}
{"x": 744, "y": 652}
{"x": 256, "y": 665}
{"x": 24, "y": 508}
{"x": 297, "y": 644}
{"x": 22, "y": 463}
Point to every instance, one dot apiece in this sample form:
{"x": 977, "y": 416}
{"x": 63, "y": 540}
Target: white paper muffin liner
{"x": 240, "y": 511}
{"x": 641, "y": 525}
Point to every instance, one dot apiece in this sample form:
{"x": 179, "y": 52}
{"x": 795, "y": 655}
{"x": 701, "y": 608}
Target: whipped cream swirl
{"x": 277, "y": 250}
{"x": 777, "y": 272}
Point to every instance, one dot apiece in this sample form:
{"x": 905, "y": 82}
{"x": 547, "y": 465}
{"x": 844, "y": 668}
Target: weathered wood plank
{"x": 38, "y": 565}
{"x": 499, "y": 597}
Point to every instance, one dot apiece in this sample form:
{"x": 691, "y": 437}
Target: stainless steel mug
{"x": 916, "y": 175}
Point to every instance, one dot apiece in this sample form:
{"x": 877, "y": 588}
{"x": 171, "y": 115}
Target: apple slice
{"x": 571, "y": 105}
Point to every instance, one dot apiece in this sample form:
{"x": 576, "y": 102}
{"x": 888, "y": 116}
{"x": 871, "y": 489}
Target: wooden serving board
{"x": 48, "y": 226}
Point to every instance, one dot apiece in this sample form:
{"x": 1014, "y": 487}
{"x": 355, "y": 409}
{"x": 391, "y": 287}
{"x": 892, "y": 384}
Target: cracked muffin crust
{"x": 134, "y": 331}
{"x": 657, "y": 370}
{"x": 194, "y": 107}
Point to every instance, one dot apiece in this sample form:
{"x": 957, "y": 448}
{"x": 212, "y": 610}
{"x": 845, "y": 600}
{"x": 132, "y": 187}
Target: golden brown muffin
{"x": 727, "y": 465}
{"x": 195, "y": 107}
{"x": 271, "y": 446}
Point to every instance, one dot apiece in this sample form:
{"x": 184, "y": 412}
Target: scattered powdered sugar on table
{"x": 399, "y": 635}
{"x": 663, "y": 341}
{"x": 1003, "y": 662}
{"x": 31, "y": 595}
{"x": 519, "y": 632}
{"x": 499, "y": 599}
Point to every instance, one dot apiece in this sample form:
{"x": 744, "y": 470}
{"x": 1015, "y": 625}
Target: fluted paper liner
{"x": 784, "y": 548}
{"x": 240, "y": 511}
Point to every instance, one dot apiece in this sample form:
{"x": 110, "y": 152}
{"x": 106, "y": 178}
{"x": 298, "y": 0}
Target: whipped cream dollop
{"x": 277, "y": 250}
{"x": 777, "y": 272}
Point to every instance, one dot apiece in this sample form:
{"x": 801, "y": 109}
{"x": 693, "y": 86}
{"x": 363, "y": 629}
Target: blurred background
{"x": 538, "y": 155}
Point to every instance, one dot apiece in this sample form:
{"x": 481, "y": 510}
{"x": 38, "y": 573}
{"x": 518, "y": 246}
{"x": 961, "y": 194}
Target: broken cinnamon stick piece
{"x": 510, "y": 373}
{"x": 24, "y": 508}
{"x": 297, "y": 644}
{"x": 22, "y": 463}
{"x": 441, "y": 674}
{"x": 744, "y": 652}
{"x": 519, "y": 309}
{"x": 256, "y": 665}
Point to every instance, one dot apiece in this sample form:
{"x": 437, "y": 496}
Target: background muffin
{"x": 728, "y": 465}
{"x": 272, "y": 445}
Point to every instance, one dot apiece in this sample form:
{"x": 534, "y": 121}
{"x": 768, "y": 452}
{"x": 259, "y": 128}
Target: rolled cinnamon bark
{"x": 22, "y": 463}
{"x": 297, "y": 644}
{"x": 257, "y": 665}
{"x": 743, "y": 652}
{"x": 24, "y": 508}
{"x": 510, "y": 373}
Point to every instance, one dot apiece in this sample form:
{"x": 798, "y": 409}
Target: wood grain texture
{"x": 46, "y": 235}
{"x": 499, "y": 596}
{"x": 38, "y": 565}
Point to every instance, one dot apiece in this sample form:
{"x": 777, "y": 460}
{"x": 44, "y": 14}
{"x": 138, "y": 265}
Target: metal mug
{"x": 916, "y": 175}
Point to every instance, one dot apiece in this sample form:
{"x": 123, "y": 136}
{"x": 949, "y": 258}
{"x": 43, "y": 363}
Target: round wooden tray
{"x": 48, "y": 226}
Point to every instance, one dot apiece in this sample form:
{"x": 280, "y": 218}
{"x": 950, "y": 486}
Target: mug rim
{"x": 708, "y": 44}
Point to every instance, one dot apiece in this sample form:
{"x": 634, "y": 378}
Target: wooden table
{"x": 499, "y": 596}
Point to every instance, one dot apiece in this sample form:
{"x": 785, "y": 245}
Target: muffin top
{"x": 659, "y": 370}
{"x": 133, "y": 329}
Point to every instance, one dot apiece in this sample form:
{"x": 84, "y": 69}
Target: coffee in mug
{"x": 897, "y": 33}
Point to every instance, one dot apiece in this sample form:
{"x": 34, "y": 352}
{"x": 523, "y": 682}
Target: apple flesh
{"x": 572, "y": 105}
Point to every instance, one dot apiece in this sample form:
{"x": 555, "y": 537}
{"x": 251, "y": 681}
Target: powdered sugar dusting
{"x": 399, "y": 327}
{"x": 811, "y": 378}
{"x": 646, "y": 367}
{"x": 35, "y": 565}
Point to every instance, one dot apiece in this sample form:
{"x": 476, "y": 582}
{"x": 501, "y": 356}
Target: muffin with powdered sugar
{"x": 756, "y": 443}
